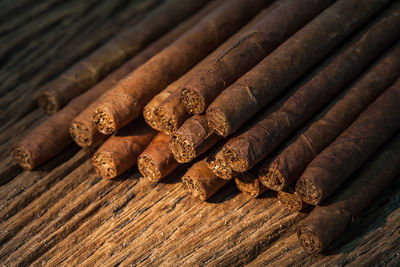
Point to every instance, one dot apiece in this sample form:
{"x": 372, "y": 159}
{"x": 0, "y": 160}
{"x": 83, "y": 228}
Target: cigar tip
{"x": 148, "y": 169}
{"x": 48, "y": 103}
{"x": 22, "y": 158}
{"x": 182, "y": 150}
{"x": 193, "y": 189}
{"x": 104, "y": 122}
{"x": 192, "y": 100}
{"x": 166, "y": 121}
{"x": 149, "y": 117}
{"x": 309, "y": 240}
{"x": 217, "y": 121}
{"x": 81, "y": 134}
{"x": 292, "y": 201}
{"x": 248, "y": 186}
{"x": 273, "y": 179}
{"x": 235, "y": 161}
{"x": 220, "y": 168}
{"x": 308, "y": 191}
{"x": 104, "y": 165}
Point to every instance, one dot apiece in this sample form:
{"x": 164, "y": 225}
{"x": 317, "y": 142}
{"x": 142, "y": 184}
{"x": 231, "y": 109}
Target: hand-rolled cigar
{"x": 291, "y": 199}
{"x": 127, "y": 99}
{"x": 150, "y": 109}
{"x": 255, "y": 89}
{"x": 170, "y": 114}
{"x": 249, "y": 183}
{"x": 281, "y": 22}
{"x": 82, "y": 129}
{"x": 87, "y": 72}
{"x": 156, "y": 161}
{"x": 287, "y": 167}
{"x": 326, "y": 222}
{"x": 252, "y": 146}
{"x": 352, "y": 148}
{"x": 121, "y": 151}
{"x": 192, "y": 139}
{"x": 199, "y": 182}
{"x": 217, "y": 164}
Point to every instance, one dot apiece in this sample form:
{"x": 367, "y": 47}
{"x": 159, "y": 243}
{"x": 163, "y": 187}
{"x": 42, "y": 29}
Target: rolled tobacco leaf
{"x": 325, "y": 223}
{"x": 218, "y": 165}
{"x": 291, "y": 199}
{"x": 351, "y": 149}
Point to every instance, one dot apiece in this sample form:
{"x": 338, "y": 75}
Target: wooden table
{"x": 64, "y": 214}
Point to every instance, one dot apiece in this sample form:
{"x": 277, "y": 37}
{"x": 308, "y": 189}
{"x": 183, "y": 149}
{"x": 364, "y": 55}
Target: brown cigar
{"x": 291, "y": 199}
{"x": 126, "y": 101}
{"x": 259, "y": 86}
{"x": 217, "y": 164}
{"x": 287, "y": 167}
{"x": 352, "y": 148}
{"x": 82, "y": 129}
{"x": 156, "y": 161}
{"x": 87, "y": 72}
{"x": 249, "y": 183}
{"x": 282, "y": 21}
{"x": 252, "y": 146}
{"x": 199, "y": 182}
{"x": 192, "y": 139}
{"x": 121, "y": 151}
{"x": 326, "y": 222}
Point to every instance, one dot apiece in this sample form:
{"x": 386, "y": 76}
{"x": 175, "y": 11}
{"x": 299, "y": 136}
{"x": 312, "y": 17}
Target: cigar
{"x": 151, "y": 107}
{"x": 126, "y": 100}
{"x": 87, "y": 72}
{"x": 192, "y": 139}
{"x": 168, "y": 111}
{"x": 199, "y": 182}
{"x": 218, "y": 165}
{"x": 82, "y": 129}
{"x": 351, "y": 149}
{"x": 291, "y": 200}
{"x": 156, "y": 161}
{"x": 316, "y": 90}
{"x": 259, "y": 86}
{"x": 327, "y": 222}
{"x": 121, "y": 151}
{"x": 249, "y": 183}
{"x": 281, "y": 22}
{"x": 287, "y": 167}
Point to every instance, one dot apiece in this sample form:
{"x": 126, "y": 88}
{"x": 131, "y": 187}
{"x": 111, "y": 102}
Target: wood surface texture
{"x": 63, "y": 214}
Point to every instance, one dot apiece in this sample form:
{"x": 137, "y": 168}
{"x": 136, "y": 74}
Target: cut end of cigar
{"x": 48, "y": 103}
{"x": 273, "y": 179}
{"x": 148, "y": 169}
{"x": 220, "y": 168}
{"x": 149, "y": 114}
{"x": 166, "y": 121}
{"x": 249, "y": 186}
{"x": 104, "y": 122}
{"x": 292, "y": 201}
{"x": 192, "y": 101}
{"x": 21, "y": 157}
{"x": 182, "y": 150}
{"x": 217, "y": 121}
{"x": 193, "y": 189}
{"x": 81, "y": 134}
{"x": 309, "y": 240}
{"x": 307, "y": 191}
{"x": 104, "y": 165}
{"x": 236, "y": 162}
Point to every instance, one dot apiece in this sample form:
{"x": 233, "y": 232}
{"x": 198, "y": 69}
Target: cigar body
{"x": 244, "y": 98}
{"x": 192, "y": 139}
{"x": 351, "y": 149}
{"x": 127, "y": 99}
{"x": 287, "y": 167}
{"x": 281, "y": 22}
{"x": 326, "y": 222}
{"x": 121, "y": 151}
{"x": 199, "y": 182}
{"x": 87, "y": 72}
{"x": 157, "y": 161}
{"x": 252, "y": 146}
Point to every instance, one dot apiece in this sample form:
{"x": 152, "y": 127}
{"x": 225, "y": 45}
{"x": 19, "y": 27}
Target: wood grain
{"x": 63, "y": 214}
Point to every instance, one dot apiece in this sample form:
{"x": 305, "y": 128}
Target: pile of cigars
{"x": 297, "y": 96}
